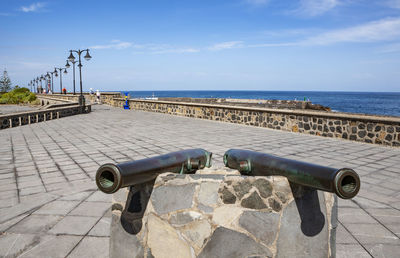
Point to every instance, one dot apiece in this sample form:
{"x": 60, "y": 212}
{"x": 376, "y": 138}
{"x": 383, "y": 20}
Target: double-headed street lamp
{"x": 56, "y": 74}
{"x": 52, "y": 80}
{"x": 41, "y": 78}
{"x": 71, "y": 58}
{"x": 73, "y": 71}
{"x": 37, "y": 84}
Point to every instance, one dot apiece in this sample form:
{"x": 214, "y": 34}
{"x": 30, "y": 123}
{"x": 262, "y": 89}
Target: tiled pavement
{"x": 49, "y": 206}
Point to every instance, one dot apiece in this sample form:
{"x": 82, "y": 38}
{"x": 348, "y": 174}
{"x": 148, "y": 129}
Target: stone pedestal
{"x": 222, "y": 216}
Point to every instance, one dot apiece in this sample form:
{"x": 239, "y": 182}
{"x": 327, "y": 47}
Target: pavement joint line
{"x": 33, "y": 159}
{"x": 34, "y": 247}
{"x": 106, "y": 146}
{"x": 14, "y": 168}
{"x": 69, "y": 157}
{"x": 132, "y": 143}
{"x": 29, "y": 213}
{"x": 48, "y": 153}
{"x": 383, "y": 225}
{"x": 386, "y": 204}
{"x": 84, "y": 236}
{"x": 81, "y": 150}
{"x": 348, "y": 231}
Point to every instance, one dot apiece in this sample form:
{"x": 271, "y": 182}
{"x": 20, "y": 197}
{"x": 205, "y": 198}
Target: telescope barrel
{"x": 345, "y": 182}
{"x": 111, "y": 177}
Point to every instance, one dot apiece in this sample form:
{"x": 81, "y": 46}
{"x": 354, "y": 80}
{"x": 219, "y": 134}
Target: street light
{"x": 71, "y": 58}
{"x": 52, "y": 80}
{"x": 37, "y": 84}
{"x": 60, "y": 69}
{"x": 41, "y": 86}
{"x": 73, "y": 70}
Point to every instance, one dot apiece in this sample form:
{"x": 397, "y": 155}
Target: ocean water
{"x": 380, "y": 103}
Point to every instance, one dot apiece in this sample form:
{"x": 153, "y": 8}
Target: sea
{"x": 376, "y": 103}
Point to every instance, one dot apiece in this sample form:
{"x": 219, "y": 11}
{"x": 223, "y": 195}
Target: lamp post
{"x": 37, "y": 84}
{"x": 73, "y": 71}
{"x": 30, "y": 85}
{"x": 52, "y": 80}
{"x": 56, "y": 74}
{"x": 41, "y": 78}
{"x": 71, "y": 58}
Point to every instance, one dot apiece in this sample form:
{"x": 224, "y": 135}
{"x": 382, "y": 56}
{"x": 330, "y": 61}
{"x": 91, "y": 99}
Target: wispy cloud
{"x": 315, "y": 7}
{"x": 115, "y": 44}
{"x": 381, "y": 30}
{"x": 226, "y": 45}
{"x": 35, "y": 7}
{"x": 146, "y": 48}
{"x": 385, "y": 31}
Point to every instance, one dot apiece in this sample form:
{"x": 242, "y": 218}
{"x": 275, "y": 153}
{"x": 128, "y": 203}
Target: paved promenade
{"x": 49, "y": 205}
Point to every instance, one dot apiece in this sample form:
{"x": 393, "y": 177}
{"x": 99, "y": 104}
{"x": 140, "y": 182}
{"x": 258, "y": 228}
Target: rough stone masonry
{"x": 222, "y": 215}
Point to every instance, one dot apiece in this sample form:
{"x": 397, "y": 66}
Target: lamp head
{"x": 65, "y": 71}
{"x": 71, "y": 57}
{"x": 67, "y": 65}
{"x": 87, "y": 56}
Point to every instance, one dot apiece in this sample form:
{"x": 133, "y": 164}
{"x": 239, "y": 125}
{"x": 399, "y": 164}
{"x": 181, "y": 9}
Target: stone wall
{"x": 24, "y": 118}
{"x": 105, "y": 97}
{"x": 222, "y": 216}
{"x": 357, "y": 127}
{"x": 46, "y": 100}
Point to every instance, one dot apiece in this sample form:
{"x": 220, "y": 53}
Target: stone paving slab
{"x": 49, "y": 201}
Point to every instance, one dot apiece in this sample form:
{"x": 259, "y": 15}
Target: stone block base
{"x": 220, "y": 215}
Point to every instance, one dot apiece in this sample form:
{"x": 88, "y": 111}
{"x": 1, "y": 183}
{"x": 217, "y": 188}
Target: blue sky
{"x": 325, "y": 45}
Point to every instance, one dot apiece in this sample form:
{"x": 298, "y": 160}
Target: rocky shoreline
{"x": 258, "y": 103}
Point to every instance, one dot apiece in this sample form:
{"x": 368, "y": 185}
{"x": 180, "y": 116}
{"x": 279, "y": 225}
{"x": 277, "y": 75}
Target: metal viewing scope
{"x": 111, "y": 177}
{"x": 345, "y": 182}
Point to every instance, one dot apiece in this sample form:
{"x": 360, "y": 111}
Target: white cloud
{"x": 226, "y": 45}
{"x": 115, "y": 44}
{"x": 146, "y": 48}
{"x": 35, "y": 7}
{"x": 381, "y": 30}
{"x": 315, "y": 7}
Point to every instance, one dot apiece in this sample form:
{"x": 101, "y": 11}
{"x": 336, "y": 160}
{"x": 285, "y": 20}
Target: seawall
{"x": 384, "y": 130}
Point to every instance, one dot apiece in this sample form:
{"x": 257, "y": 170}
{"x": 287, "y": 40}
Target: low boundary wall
{"x": 105, "y": 97}
{"x": 24, "y": 118}
{"x": 357, "y": 127}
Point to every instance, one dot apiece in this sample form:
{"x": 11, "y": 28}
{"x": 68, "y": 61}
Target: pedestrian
{"x": 98, "y": 96}
{"x": 64, "y": 90}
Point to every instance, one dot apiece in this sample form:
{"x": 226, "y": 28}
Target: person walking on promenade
{"x": 98, "y": 96}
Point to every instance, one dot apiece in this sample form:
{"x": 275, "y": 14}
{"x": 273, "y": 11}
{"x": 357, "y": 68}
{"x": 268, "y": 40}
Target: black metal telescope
{"x": 111, "y": 177}
{"x": 345, "y": 182}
